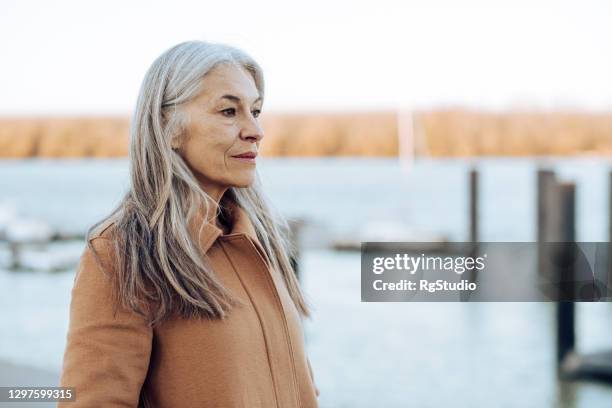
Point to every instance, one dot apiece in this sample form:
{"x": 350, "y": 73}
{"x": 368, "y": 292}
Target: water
{"x": 363, "y": 354}
{"x": 339, "y": 193}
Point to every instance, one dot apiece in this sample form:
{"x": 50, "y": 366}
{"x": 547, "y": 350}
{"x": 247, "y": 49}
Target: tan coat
{"x": 255, "y": 358}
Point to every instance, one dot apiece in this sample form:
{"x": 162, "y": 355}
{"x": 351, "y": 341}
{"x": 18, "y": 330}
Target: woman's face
{"x": 222, "y": 125}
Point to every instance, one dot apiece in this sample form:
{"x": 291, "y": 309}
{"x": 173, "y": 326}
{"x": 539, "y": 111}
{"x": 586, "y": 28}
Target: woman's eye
{"x": 229, "y": 112}
{"x": 256, "y": 112}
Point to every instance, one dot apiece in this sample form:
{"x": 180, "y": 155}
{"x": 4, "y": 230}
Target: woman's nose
{"x": 252, "y": 131}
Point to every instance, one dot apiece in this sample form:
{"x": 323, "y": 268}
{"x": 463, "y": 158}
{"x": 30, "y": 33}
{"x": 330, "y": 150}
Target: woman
{"x": 185, "y": 295}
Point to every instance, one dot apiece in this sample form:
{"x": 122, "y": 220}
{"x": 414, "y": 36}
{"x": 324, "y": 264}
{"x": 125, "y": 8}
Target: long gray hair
{"x": 160, "y": 262}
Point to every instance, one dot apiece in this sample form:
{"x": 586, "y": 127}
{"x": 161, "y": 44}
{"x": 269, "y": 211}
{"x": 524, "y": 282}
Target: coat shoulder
{"x": 102, "y": 241}
{"x": 107, "y": 230}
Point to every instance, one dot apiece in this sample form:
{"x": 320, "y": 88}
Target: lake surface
{"x": 363, "y": 354}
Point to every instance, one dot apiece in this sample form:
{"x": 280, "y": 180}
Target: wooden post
{"x": 566, "y": 335}
{"x": 610, "y": 206}
{"x": 609, "y": 266}
{"x": 472, "y": 275}
{"x": 570, "y": 364}
{"x": 556, "y": 215}
{"x": 548, "y": 217}
{"x": 15, "y": 257}
{"x": 474, "y": 205}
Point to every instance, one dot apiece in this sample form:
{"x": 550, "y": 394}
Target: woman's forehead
{"x": 229, "y": 83}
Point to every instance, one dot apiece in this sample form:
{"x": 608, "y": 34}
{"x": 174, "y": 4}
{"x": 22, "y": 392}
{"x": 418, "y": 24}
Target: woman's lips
{"x": 245, "y": 159}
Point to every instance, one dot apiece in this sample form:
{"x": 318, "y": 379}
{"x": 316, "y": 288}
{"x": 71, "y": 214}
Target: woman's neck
{"x": 223, "y": 220}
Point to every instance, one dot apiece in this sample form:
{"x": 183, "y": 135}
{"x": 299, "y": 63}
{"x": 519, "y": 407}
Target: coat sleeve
{"x": 107, "y": 354}
{"x": 312, "y": 376}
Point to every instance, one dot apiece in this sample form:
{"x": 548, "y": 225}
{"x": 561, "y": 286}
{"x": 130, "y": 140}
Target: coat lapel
{"x": 241, "y": 224}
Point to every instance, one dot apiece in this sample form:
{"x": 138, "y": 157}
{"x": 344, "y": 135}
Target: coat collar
{"x": 241, "y": 224}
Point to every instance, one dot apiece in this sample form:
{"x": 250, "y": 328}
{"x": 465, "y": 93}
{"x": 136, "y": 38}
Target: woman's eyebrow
{"x": 237, "y": 99}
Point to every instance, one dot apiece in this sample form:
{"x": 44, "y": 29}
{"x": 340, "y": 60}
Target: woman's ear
{"x": 175, "y": 143}
{"x": 177, "y": 139}
{"x": 180, "y": 126}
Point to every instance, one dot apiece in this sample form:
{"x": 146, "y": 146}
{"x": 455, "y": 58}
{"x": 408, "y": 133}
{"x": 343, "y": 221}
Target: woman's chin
{"x": 243, "y": 182}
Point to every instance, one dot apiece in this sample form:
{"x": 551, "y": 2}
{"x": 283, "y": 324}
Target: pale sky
{"x": 89, "y": 57}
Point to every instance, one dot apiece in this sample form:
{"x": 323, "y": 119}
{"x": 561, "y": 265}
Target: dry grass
{"x": 444, "y": 133}
{"x": 469, "y": 133}
{"x": 331, "y": 134}
{"x": 64, "y": 137}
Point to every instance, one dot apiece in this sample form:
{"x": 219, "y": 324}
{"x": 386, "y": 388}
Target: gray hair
{"x": 158, "y": 258}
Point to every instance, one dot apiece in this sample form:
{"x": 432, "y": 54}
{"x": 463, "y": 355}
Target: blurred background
{"x": 375, "y": 115}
